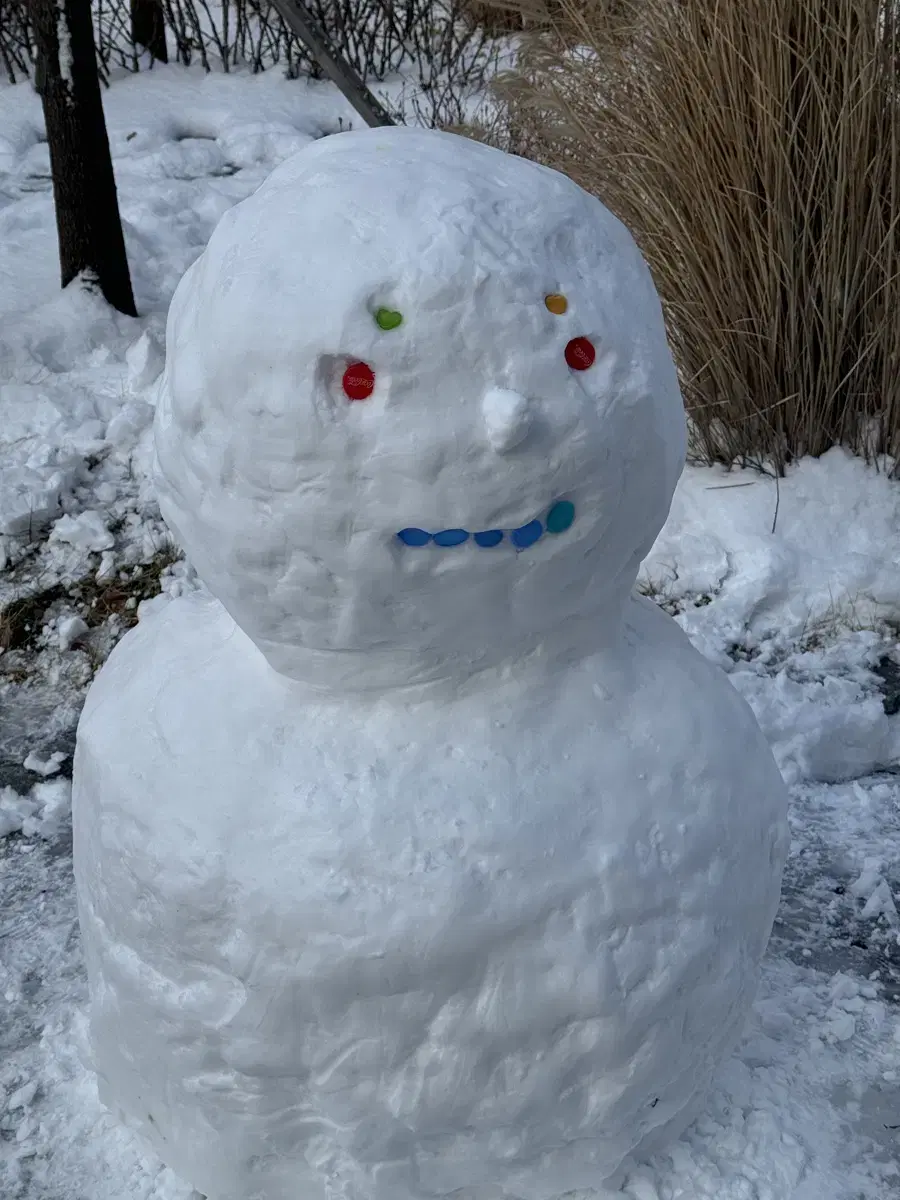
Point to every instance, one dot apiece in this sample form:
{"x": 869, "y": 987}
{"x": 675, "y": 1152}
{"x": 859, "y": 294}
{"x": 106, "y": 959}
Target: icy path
{"x": 809, "y": 1108}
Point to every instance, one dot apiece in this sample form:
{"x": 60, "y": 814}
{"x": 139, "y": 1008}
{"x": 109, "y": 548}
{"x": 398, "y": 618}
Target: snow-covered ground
{"x": 794, "y": 588}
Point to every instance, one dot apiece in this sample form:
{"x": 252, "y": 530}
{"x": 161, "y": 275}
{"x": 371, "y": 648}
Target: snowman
{"x": 418, "y": 856}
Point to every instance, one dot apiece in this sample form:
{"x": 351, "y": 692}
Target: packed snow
{"x": 288, "y": 493}
{"x": 473, "y": 892}
{"x": 792, "y": 586}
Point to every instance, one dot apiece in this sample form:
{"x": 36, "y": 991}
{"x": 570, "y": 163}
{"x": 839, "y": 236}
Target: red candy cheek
{"x": 580, "y": 354}
{"x": 358, "y": 381}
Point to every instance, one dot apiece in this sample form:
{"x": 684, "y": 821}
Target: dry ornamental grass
{"x": 752, "y": 148}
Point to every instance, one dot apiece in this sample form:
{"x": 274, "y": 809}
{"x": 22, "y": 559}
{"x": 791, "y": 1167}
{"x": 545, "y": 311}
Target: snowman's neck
{"x": 412, "y": 674}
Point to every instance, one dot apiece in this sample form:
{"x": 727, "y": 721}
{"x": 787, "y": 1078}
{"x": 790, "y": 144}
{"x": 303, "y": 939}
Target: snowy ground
{"x": 804, "y": 619}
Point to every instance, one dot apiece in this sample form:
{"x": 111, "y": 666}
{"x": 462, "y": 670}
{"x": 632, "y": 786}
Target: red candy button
{"x": 359, "y": 381}
{"x": 580, "y": 354}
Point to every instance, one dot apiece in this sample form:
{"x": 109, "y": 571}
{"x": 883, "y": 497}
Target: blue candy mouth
{"x": 558, "y": 520}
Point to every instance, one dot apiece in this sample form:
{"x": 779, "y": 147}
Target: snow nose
{"x": 507, "y": 418}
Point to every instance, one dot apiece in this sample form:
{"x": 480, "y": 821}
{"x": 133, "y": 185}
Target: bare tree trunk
{"x": 148, "y": 28}
{"x": 84, "y": 187}
{"x": 297, "y": 17}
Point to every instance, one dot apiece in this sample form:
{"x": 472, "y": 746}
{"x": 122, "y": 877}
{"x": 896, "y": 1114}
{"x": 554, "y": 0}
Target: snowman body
{"x": 423, "y": 858}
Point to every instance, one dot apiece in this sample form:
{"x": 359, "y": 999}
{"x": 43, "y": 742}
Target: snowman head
{"x": 419, "y": 412}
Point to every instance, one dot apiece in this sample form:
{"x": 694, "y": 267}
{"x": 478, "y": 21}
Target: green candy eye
{"x": 387, "y": 318}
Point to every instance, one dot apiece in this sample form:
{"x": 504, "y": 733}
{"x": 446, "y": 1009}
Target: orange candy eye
{"x": 580, "y": 354}
{"x": 556, "y": 303}
{"x": 358, "y": 381}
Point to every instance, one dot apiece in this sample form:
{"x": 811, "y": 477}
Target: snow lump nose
{"x": 507, "y": 418}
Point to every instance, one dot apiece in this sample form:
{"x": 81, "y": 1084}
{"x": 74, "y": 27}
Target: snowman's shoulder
{"x": 671, "y": 695}
{"x": 187, "y": 655}
{"x": 659, "y": 647}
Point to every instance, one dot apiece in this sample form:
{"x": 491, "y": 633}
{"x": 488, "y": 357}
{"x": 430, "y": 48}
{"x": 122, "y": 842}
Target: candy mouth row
{"x": 558, "y": 520}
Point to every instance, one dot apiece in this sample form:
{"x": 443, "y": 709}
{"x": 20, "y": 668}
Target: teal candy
{"x": 560, "y": 516}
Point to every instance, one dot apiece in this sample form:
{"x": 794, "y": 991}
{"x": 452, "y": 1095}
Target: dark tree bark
{"x": 148, "y": 28}
{"x": 84, "y": 187}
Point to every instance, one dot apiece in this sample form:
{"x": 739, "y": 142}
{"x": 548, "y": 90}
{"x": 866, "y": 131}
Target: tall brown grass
{"x": 752, "y": 148}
